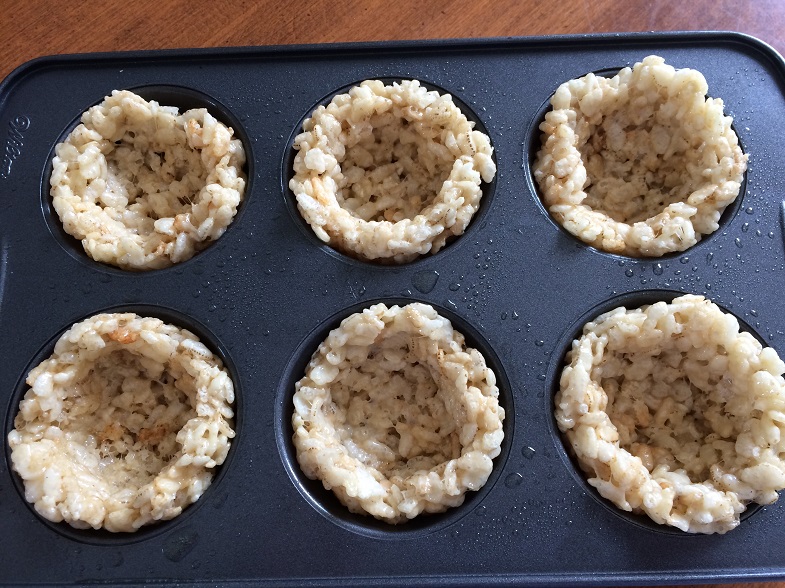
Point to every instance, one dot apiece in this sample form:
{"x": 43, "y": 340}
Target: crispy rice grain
{"x": 144, "y": 187}
{"x": 674, "y": 413}
{"x": 396, "y": 415}
{"x": 641, "y": 164}
{"x": 390, "y": 172}
{"x": 123, "y": 425}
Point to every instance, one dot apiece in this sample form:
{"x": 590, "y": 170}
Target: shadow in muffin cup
{"x": 563, "y": 345}
{"x": 211, "y": 495}
{"x": 324, "y": 501}
{"x": 533, "y": 143}
{"x": 488, "y": 189}
{"x": 183, "y": 99}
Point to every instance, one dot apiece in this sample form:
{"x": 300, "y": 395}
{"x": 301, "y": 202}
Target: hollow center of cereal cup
{"x": 125, "y": 418}
{"x": 673, "y": 408}
{"x": 153, "y": 177}
{"x": 636, "y": 162}
{"x": 393, "y": 168}
{"x": 394, "y": 414}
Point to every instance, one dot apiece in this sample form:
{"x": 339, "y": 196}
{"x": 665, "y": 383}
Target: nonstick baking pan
{"x": 268, "y": 291}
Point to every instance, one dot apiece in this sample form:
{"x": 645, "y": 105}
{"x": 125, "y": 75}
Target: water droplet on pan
{"x": 528, "y": 452}
{"x": 425, "y": 281}
{"x": 513, "y": 480}
{"x": 220, "y": 501}
{"x": 180, "y": 545}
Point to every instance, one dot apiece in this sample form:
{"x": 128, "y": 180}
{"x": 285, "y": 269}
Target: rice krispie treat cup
{"x": 674, "y": 413}
{"x": 143, "y": 186}
{"x": 390, "y": 172}
{"x": 641, "y": 164}
{"x": 123, "y": 425}
{"x": 396, "y": 415}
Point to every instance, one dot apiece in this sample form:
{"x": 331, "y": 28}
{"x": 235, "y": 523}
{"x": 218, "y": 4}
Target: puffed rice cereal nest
{"x": 642, "y": 164}
{"x": 123, "y": 425}
{"x": 396, "y": 415}
{"x": 674, "y": 413}
{"x": 390, "y": 172}
{"x": 144, "y": 187}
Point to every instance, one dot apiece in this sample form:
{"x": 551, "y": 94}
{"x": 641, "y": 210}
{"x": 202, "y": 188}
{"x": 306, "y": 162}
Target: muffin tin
{"x": 267, "y": 292}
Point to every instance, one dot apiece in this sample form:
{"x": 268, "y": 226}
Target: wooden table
{"x": 41, "y": 27}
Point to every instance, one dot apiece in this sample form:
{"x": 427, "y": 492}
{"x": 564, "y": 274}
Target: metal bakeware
{"x": 268, "y": 291}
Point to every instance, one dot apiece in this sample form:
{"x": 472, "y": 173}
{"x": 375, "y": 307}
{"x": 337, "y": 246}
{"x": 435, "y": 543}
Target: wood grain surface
{"x": 32, "y": 28}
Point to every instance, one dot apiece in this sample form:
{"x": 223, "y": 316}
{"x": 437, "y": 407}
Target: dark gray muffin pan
{"x": 267, "y": 292}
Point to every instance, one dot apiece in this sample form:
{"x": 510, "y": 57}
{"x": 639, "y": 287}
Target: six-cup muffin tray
{"x": 267, "y": 292}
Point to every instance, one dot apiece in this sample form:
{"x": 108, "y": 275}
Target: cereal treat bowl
{"x": 674, "y": 413}
{"x": 143, "y": 186}
{"x": 390, "y": 172}
{"x": 396, "y": 415}
{"x": 123, "y": 425}
{"x": 641, "y": 164}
